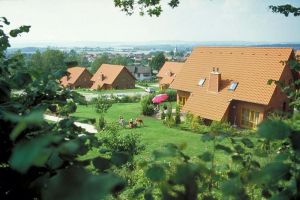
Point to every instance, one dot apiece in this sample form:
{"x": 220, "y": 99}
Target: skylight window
{"x": 233, "y": 86}
{"x": 201, "y": 81}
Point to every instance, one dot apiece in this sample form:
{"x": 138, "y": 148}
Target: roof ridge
{"x": 244, "y": 47}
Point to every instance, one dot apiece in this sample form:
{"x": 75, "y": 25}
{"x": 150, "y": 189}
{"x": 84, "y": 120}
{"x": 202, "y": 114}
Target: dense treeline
{"x": 52, "y": 59}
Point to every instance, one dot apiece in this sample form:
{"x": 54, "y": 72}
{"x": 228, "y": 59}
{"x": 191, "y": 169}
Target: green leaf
{"x": 4, "y": 91}
{"x": 101, "y": 163}
{"x": 21, "y": 79}
{"x": 120, "y": 158}
{"x": 247, "y": 142}
{"x": 234, "y": 188}
{"x": 255, "y": 164}
{"x": 295, "y": 140}
{"x": 239, "y": 149}
{"x": 5, "y": 21}
{"x": 271, "y": 173}
{"x": 186, "y": 172}
{"x": 54, "y": 161}
{"x": 206, "y": 156}
{"x": 273, "y": 130}
{"x": 237, "y": 158}
{"x": 170, "y": 150}
{"x": 21, "y": 29}
{"x": 224, "y": 148}
{"x": 156, "y": 173}
{"x": 77, "y": 184}
{"x": 31, "y": 153}
{"x": 207, "y": 137}
{"x": 69, "y": 147}
{"x": 34, "y": 118}
{"x": 148, "y": 196}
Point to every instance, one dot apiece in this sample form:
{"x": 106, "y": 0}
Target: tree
{"x": 154, "y": 7}
{"x": 98, "y": 62}
{"x": 158, "y": 61}
{"x": 47, "y": 61}
{"x": 286, "y": 10}
{"x": 121, "y": 60}
{"x": 73, "y": 59}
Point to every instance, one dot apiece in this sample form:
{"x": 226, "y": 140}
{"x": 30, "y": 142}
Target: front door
{"x": 249, "y": 118}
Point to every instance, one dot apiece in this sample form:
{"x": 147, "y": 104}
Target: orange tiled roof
{"x": 251, "y": 67}
{"x": 107, "y": 74}
{"x": 169, "y": 71}
{"x": 75, "y": 73}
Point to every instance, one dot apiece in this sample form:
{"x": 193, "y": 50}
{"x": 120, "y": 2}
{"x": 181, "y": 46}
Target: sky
{"x": 193, "y": 20}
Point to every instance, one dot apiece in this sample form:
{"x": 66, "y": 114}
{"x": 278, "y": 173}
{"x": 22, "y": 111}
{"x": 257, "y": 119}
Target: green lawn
{"x": 154, "y": 135}
{"x": 109, "y": 91}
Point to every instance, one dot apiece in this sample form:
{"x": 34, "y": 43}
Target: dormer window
{"x": 233, "y": 86}
{"x": 201, "y": 82}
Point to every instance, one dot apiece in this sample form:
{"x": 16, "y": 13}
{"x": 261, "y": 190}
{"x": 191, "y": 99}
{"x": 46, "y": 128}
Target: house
{"x": 141, "y": 73}
{"x": 167, "y": 73}
{"x": 230, "y": 83}
{"x": 298, "y": 55}
{"x": 113, "y": 77}
{"x": 79, "y": 77}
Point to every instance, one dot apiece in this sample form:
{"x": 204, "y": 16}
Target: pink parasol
{"x": 160, "y": 98}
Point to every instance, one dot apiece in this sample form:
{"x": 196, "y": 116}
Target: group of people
{"x": 132, "y": 123}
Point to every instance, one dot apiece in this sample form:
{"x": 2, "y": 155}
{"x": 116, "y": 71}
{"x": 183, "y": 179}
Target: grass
{"x": 154, "y": 135}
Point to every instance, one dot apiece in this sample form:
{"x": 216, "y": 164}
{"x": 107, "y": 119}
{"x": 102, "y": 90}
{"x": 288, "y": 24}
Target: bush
{"x": 222, "y": 127}
{"x": 101, "y": 122}
{"x": 102, "y": 104}
{"x": 188, "y": 118}
{"x": 147, "y": 105}
{"x": 163, "y": 116}
{"x": 177, "y": 115}
{"x": 171, "y": 93}
{"x": 169, "y": 121}
{"x": 120, "y": 142}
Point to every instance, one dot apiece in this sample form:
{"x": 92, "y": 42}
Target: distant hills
{"x": 144, "y": 46}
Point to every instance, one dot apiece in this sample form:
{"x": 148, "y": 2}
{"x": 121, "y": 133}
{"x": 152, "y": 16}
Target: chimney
{"x": 214, "y": 80}
{"x": 101, "y": 77}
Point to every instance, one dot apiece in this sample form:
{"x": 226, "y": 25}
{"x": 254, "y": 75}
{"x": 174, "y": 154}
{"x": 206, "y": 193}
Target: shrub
{"x": 103, "y": 104}
{"x": 222, "y": 127}
{"x": 188, "y": 118}
{"x": 169, "y": 121}
{"x": 120, "y": 142}
{"x": 177, "y": 115}
{"x": 163, "y": 116}
{"x": 101, "y": 122}
{"x": 171, "y": 93}
{"x": 147, "y": 106}
{"x": 196, "y": 123}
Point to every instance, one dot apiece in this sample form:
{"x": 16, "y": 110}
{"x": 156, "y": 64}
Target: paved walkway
{"x": 88, "y": 127}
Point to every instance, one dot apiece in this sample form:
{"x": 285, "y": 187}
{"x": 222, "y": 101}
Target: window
{"x": 182, "y": 100}
{"x": 233, "y": 86}
{"x": 201, "y": 82}
{"x": 249, "y": 118}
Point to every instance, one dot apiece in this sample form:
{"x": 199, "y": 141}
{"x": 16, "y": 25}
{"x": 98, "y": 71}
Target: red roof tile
{"x": 250, "y": 67}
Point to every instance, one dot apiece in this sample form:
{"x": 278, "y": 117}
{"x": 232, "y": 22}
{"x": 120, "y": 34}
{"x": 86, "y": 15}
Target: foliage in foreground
{"x": 40, "y": 160}
{"x": 154, "y": 8}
